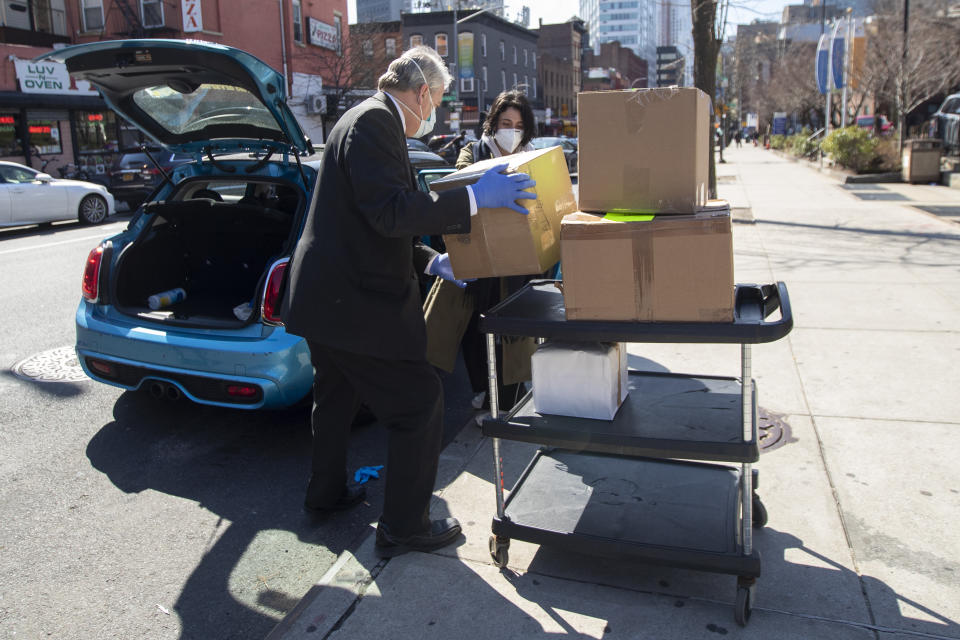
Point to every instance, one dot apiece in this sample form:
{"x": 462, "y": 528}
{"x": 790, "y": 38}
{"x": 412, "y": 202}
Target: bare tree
{"x": 792, "y": 88}
{"x": 910, "y": 66}
{"x": 709, "y": 23}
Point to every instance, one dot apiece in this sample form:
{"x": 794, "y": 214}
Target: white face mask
{"x": 508, "y": 139}
{"x": 426, "y": 126}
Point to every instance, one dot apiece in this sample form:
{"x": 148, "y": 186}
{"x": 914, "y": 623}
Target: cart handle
{"x": 755, "y": 303}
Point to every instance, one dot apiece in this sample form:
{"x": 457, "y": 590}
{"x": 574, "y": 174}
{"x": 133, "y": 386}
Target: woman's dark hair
{"x": 507, "y": 100}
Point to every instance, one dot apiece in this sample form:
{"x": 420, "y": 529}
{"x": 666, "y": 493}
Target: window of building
{"x": 503, "y": 51}
{"x": 297, "y": 21}
{"x": 151, "y": 12}
{"x": 44, "y": 136}
{"x": 483, "y": 45}
{"x": 525, "y": 58}
{"x": 416, "y": 41}
{"x": 466, "y": 85}
{"x": 368, "y": 48}
{"x": 390, "y": 44}
{"x": 96, "y": 131}
{"x": 92, "y": 11}
{"x": 534, "y": 86}
{"x": 526, "y": 84}
{"x": 338, "y": 27}
{"x": 514, "y": 81}
{"x": 514, "y": 54}
{"x": 10, "y": 142}
{"x": 483, "y": 77}
{"x": 503, "y": 80}
{"x": 440, "y": 44}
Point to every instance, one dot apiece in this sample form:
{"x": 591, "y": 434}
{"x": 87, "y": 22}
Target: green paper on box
{"x": 615, "y": 216}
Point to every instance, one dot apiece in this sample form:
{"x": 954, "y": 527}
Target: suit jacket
{"x": 352, "y": 281}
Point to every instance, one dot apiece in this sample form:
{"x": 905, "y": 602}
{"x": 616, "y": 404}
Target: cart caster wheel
{"x": 759, "y": 513}
{"x": 746, "y": 589}
{"x": 499, "y": 551}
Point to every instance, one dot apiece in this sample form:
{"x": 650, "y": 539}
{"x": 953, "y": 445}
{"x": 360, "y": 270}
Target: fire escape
{"x": 131, "y": 18}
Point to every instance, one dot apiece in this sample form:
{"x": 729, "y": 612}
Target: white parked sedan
{"x": 30, "y": 197}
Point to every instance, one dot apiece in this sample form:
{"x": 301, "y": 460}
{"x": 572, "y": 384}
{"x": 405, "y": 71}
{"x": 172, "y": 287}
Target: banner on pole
{"x": 837, "y": 51}
{"x": 822, "y": 63}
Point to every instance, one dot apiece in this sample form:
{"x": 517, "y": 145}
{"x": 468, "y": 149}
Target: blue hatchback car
{"x": 221, "y": 229}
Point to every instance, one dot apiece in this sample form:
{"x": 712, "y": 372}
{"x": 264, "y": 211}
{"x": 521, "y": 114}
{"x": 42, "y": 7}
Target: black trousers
{"x": 407, "y": 398}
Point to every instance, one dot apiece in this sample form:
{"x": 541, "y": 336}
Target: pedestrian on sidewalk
{"x": 354, "y": 294}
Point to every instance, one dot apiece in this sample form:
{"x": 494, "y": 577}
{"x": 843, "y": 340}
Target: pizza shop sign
{"x": 49, "y": 77}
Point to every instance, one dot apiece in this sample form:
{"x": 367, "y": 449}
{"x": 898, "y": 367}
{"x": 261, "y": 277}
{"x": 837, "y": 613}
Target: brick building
{"x": 47, "y": 118}
{"x": 561, "y": 48}
{"x": 494, "y": 55}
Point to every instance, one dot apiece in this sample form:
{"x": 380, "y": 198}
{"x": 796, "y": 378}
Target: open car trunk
{"x": 218, "y": 252}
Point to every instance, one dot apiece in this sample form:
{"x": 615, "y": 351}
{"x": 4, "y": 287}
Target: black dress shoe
{"x": 352, "y": 495}
{"x": 440, "y": 534}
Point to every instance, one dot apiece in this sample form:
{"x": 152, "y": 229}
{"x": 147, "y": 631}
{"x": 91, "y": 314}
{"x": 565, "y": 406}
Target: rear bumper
{"x": 203, "y": 366}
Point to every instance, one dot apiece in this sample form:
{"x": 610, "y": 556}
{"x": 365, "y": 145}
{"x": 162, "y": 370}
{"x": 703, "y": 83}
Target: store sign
{"x": 192, "y": 17}
{"x": 324, "y": 35}
{"x": 49, "y": 77}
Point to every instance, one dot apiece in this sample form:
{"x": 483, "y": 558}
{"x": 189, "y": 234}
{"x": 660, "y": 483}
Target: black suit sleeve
{"x": 381, "y": 187}
{"x": 422, "y": 255}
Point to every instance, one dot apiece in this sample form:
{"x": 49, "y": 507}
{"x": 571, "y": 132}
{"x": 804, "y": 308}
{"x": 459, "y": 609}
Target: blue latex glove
{"x": 496, "y": 190}
{"x": 363, "y": 474}
{"x": 441, "y": 267}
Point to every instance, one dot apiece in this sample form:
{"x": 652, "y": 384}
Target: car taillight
{"x": 270, "y": 308}
{"x": 91, "y": 274}
{"x": 241, "y": 390}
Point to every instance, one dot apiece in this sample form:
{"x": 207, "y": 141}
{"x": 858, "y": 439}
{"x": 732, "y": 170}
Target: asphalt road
{"x": 127, "y": 517}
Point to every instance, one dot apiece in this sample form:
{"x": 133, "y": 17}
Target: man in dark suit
{"x": 353, "y": 293}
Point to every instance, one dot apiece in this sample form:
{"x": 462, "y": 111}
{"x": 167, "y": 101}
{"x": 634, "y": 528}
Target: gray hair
{"x": 403, "y": 74}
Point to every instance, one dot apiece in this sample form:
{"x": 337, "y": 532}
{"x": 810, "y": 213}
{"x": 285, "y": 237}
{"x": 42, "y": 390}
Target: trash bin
{"x": 921, "y": 160}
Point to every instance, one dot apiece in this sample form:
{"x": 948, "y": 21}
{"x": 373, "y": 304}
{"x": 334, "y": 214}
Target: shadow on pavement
{"x": 250, "y": 468}
{"x": 863, "y": 230}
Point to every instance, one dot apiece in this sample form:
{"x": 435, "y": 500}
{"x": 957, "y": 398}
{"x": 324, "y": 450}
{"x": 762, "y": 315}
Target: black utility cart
{"x": 646, "y": 485}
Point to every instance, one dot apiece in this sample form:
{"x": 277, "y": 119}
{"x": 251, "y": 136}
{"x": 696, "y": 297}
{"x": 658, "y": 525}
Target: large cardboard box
{"x": 649, "y": 268}
{"x": 503, "y": 242}
{"x": 583, "y": 380}
{"x": 644, "y": 150}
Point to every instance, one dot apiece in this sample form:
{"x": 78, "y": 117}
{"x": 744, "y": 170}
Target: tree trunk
{"x": 705, "y": 50}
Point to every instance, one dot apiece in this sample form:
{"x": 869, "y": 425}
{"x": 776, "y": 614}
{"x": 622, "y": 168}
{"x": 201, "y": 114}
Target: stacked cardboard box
{"x": 652, "y": 247}
{"x": 503, "y": 242}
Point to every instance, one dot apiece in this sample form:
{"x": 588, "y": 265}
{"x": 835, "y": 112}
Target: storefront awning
{"x": 15, "y": 99}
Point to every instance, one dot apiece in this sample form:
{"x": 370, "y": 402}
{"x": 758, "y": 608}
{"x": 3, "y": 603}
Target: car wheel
{"x": 92, "y": 210}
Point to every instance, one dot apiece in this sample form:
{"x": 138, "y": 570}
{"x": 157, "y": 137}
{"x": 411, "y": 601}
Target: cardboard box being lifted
{"x": 643, "y": 150}
{"x": 503, "y": 242}
{"x": 639, "y": 268}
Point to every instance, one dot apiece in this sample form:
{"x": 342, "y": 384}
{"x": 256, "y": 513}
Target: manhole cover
{"x": 55, "y": 365}
{"x": 773, "y": 430}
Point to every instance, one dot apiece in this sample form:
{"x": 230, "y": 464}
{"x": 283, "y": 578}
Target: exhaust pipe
{"x": 173, "y": 392}
{"x": 156, "y": 390}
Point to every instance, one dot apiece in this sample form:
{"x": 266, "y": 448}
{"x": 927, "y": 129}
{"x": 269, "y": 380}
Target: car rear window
{"x": 207, "y": 105}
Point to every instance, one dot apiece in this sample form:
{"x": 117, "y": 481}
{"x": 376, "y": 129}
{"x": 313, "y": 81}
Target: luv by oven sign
{"x": 49, "y": 77}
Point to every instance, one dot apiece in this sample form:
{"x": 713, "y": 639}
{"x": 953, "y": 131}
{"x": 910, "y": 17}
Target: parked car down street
{"x": 28, "y": 196}
{"x": 222, "y": 229}
{"x": 946, "y": 123}
{"x": 135, "y": 176}
{"x": 569, "y": 146}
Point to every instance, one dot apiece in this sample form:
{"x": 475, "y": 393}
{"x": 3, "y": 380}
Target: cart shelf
{"x": 664, "y": 512}
{"x": 666, "y": 415}
{"x": 537, "y": 310}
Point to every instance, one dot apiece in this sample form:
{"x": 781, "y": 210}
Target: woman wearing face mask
{"x": 508, "y": 129}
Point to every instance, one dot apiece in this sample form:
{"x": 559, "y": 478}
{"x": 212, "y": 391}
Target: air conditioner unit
{"x": 316, "y": 103}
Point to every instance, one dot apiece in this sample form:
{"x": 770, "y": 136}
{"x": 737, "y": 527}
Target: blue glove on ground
{"x": 441, "y": 267}
{"x": 495, "y": 189}
{"x": 365, "y": 473}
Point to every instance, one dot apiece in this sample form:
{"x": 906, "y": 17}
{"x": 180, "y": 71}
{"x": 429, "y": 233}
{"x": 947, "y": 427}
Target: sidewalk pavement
{"x": 861, "y": 488}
